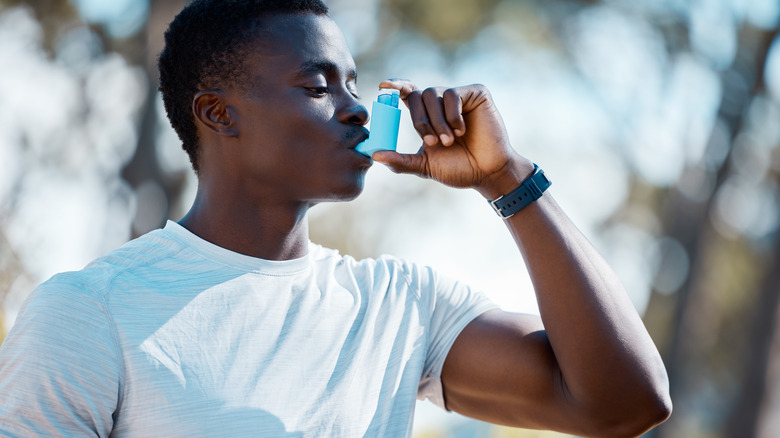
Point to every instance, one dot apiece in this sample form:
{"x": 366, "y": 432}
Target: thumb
{"x": 402, "y": 163}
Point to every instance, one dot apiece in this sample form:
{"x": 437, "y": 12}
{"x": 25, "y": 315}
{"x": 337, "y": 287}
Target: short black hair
{"x": 205, "y": 47}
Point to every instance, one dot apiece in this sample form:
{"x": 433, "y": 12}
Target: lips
{"x": 358, "y": 138}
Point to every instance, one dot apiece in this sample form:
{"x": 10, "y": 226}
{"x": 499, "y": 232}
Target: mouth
{"x": 356, "y": 138}
{"x": 364, "y": 159}
{"x": 359, "y": 138}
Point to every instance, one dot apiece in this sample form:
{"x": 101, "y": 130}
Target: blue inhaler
{"x": 385, "y": 120}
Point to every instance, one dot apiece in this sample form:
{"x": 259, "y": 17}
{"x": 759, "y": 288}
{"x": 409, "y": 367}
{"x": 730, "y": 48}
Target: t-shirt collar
{"x": 232, "y": 258}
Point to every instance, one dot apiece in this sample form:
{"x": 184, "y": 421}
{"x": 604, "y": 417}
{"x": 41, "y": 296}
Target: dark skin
{"x": 587, "y": 366}
{"x": 270, "y": 152}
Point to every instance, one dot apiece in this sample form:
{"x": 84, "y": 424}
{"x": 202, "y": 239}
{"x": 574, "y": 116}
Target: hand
{"x": 465, "y": 143}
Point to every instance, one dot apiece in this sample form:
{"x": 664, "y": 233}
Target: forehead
{"x": 291, "y": 44}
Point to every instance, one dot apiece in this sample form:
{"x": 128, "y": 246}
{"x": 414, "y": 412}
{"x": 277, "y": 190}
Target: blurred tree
{"x": 708, "y": 340}
{"x": 717, "y": 326}
{"x": 449, "y": 22}
{"x": 11, "y": 269}
{"x": 58, "y": 15}
{"x": 55, "y": 16}
{"x": 157, "y": 191}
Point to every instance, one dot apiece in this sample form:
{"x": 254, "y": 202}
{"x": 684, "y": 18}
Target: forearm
{"x": 606, "y": 358}
{"x": 595, "y": 370}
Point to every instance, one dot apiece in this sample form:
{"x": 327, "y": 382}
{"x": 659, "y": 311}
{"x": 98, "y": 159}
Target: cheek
{"x": 313, "y": 123}
{"x": 294, "y": 139}
{"x": 310, "y": 134}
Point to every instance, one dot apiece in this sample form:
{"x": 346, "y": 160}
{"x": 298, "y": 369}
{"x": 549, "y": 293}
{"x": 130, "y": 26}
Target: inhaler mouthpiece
{"x": 385, "y": 120}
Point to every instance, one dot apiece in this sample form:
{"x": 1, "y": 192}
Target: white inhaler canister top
{"x": 385, "y": 120}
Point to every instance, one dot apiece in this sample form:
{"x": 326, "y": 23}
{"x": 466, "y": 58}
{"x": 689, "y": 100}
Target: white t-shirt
{"x": 173, "y": 336}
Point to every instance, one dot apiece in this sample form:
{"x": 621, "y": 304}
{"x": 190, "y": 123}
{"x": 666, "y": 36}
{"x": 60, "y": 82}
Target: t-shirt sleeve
{"x": 59, "y": 372}
{"x": 452, "y": 305}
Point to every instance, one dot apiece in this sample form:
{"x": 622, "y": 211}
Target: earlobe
{"x": 211, "y": 111}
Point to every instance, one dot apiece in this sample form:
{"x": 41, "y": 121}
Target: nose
{"x": 353, "y": 112}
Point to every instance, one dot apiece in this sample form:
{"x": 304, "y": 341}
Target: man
{"x": 231, "y": 323}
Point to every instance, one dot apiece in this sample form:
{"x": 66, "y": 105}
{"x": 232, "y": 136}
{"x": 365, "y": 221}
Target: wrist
{"x": 509, "y": 177}
{"x": 526, "y": 193}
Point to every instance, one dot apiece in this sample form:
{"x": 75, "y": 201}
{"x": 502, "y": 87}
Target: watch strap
{"x": 529, "y": 191}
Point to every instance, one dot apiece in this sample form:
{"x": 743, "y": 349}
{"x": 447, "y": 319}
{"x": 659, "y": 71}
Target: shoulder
{"x": 143, "y": 251}
{"x": 382, "y": 264}
{"x": 92, "y": 283}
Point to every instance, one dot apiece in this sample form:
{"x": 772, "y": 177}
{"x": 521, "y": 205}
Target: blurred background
{"x": 658, "y": 121}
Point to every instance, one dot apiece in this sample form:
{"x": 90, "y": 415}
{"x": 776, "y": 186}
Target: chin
{"x": 349, "y": 191}
{"x": 348, "y": 195}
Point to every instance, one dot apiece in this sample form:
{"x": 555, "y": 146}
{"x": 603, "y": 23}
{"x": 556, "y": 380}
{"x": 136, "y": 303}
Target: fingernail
{"x": 458, "y": 132}
{"x": 430, "y": 140}
{"x": 445, "y": 139}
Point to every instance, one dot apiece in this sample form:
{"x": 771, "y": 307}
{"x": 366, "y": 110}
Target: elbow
{"x": 662, "y": 411}
{"x": 658, "y": 411}
{"x": 644, "y": 413}
{"x": 645, "y": 417}
{"x": 627, "y": 409}
{"x": 655, "y": 402}
{"x": 642, "y": 404}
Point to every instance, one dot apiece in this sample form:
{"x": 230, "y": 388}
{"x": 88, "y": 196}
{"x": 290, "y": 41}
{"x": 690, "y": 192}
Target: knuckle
{"x": 429, "y": 93}
{"x": 482, "y": 89}
{"x": 421, "y": 125}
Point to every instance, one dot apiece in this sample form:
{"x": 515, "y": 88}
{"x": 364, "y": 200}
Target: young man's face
{"x": 300, "y": 121}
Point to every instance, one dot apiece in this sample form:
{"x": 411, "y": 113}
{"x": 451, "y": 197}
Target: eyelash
{"x": 321, "y": 91}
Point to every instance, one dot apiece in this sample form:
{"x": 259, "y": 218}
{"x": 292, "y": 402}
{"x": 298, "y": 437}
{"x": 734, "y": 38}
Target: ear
{"x": 211, "y": 110}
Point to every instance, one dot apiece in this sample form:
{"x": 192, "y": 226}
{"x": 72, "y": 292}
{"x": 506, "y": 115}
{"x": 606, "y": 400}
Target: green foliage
{"x": 445, "y": 21}
{"x": 707, "y": 327}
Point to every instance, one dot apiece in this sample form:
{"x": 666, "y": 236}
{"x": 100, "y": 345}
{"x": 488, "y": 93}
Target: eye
{"x": 353, "y": 90}
{"x": 320, "y": 91}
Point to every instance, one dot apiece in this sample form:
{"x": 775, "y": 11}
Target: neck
{"x": 267, "y": 230}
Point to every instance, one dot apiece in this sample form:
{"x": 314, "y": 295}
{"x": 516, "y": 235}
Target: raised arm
{"x": 588, "y": 365}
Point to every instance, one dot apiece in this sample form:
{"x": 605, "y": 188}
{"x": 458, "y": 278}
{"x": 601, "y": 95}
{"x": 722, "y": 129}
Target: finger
{"x": 419, "y": 116}
{"x": 404, "y": 86}
{"x": 411, "y": 96}
{"x": 402, "y": 163}
{"x": 434, "y": 107}
{"x": 453, "y": 111}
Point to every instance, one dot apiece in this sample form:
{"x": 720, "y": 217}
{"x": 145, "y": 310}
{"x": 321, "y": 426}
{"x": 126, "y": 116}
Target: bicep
{"x": 501, "y": 369}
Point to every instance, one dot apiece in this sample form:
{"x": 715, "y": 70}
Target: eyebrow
{"x": 318, "y": 66}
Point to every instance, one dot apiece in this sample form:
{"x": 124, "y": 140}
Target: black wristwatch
{"x": 529, "y": 191}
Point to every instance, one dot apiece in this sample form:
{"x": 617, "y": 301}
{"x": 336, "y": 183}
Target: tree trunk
{"x": 690, "y": 224}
